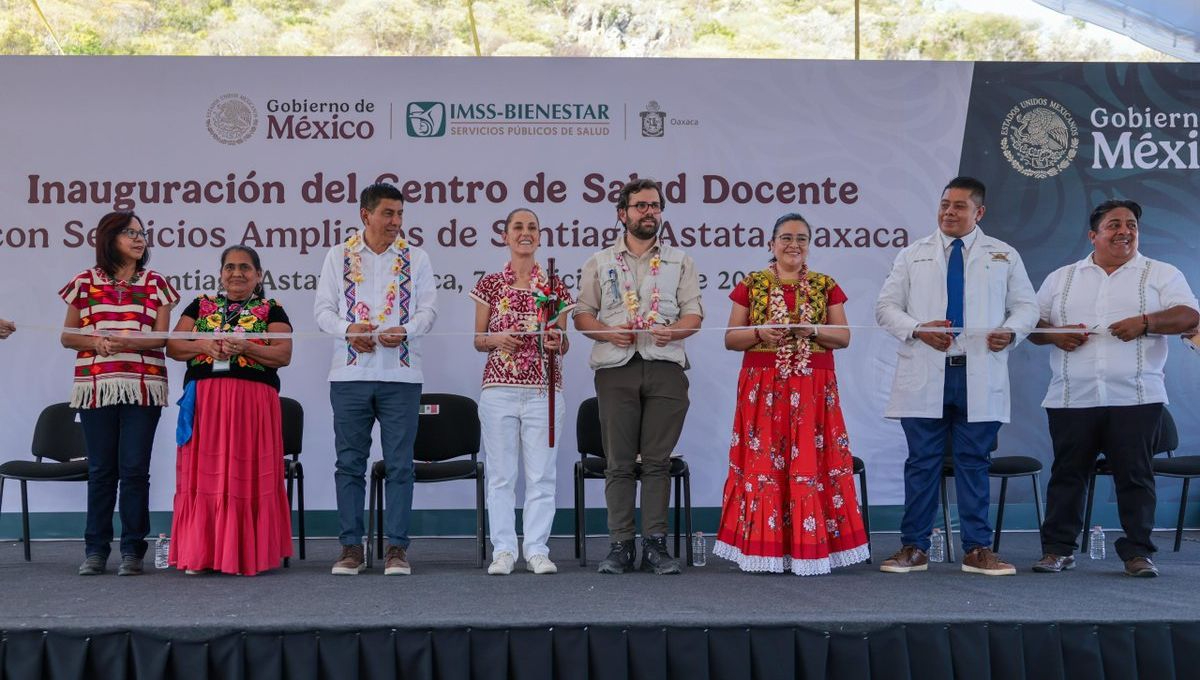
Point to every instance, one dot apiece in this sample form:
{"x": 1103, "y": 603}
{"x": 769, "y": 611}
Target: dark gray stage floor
{"x": 446, "y": 590}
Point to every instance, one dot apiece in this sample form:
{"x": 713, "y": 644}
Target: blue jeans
{"x": 119, "y": 441}
{"x": 972, "y": 445}
{"x": 356, "y": 407}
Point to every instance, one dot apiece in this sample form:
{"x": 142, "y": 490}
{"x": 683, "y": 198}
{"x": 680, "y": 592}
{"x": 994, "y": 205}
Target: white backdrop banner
{"x": 271, "y": 153}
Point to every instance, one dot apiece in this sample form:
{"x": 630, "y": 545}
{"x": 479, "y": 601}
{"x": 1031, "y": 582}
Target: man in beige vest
{"x": 638, "y": 300}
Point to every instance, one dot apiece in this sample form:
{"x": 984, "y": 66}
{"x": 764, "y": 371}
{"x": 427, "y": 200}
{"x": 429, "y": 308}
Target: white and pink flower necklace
{"x": 794, "y": 353}
{"x": 362, "y": 311}
{"x": 633, "y": 302}
{"x": 527, "y": 320}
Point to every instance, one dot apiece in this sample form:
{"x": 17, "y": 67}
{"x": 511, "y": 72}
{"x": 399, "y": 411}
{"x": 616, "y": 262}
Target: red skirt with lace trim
{"x": 789, "y": 502}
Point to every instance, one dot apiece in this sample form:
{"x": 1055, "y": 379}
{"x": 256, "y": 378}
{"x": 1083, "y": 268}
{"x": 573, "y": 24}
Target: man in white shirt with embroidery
{"x": 377, "y": 294}
{"x": 1108, "y": 392}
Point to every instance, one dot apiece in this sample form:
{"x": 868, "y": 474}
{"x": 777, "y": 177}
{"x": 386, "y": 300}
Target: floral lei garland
{"x": 362, "y": 311}
{"x": 793, "y": 353}
{"x": 359, "y": 311}
{"x": 633, "y": 302}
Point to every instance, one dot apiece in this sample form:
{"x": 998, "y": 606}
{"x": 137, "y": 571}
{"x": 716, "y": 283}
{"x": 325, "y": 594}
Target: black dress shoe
{"x": 1052, "y": 564}
{"x": 655, "y": 556}
{"x": 619, "y": 559}
{"x": 1140, "y": 566}
{"x": 93, "y": 566}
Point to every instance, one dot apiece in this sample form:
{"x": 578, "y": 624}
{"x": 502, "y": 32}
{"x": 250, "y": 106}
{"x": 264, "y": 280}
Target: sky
{"x": 1028, "y": 9}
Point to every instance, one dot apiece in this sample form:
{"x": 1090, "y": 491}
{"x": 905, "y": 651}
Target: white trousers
{"x": 515, "y": 426}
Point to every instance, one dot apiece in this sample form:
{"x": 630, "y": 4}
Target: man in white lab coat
{"x": 951, "y": 387}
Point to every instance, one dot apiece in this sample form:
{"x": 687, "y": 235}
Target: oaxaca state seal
{"x": 653, "y": 119}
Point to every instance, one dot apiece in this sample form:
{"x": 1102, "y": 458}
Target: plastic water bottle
{"x": 937, "y": 546}
{"x": 699, "y": 558}
{"x": 162, "y": 551}
{"x": 1096, "y": 543}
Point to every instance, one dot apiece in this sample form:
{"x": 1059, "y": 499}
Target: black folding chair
{"x": 57, "y": 437}
{"x": 448, "y": 429}
{"x": 592, "y": 464}
{"x": 1166, "y": 442}
{"x": 860, "y": 469}
{"x": 1186, "y": 468}
{"x": 292, "y": 417}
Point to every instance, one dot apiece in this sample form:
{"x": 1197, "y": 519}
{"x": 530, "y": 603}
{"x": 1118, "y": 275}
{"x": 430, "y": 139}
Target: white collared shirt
{"x": 1105, "y": 371}
{"x": 330, "y": 310}
{"x": 948, "y": 241}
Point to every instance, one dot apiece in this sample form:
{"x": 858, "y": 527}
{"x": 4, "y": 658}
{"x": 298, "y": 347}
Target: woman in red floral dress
{"x": 789, "y": 502}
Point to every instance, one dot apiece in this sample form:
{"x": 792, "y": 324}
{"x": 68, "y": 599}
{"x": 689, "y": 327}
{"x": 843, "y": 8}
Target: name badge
{"x": 999, "y": 257}
{"x": 218, "y": 366}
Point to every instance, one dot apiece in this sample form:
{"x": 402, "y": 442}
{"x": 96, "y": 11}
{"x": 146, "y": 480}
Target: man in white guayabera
{"x": 1108, "y": 389}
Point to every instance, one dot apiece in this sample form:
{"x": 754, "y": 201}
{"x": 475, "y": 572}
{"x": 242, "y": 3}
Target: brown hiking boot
{"x": 351, "y": 561}
{"x": 982, "y": 560}
{"x": 909, "y": 558}
{"x": 395, "y": 562}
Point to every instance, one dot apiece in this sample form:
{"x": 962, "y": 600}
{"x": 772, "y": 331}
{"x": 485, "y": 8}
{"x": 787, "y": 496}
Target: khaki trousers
{"x": 642, "y": 408}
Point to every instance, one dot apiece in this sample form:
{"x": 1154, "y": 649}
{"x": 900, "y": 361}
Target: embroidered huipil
{"x": 392, "y": 288}
{"x": 1105, "y": 371}
{"x": 135, "y": 377}
{"x": 515, "y": 308}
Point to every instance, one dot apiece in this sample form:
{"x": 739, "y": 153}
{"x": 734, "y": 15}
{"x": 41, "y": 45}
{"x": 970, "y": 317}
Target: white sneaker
{"x": 502, "y": 564}
{"x": 540, "y": 564}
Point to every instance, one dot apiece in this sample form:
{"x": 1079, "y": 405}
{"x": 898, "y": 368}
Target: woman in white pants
{"x": 514, "y": 407}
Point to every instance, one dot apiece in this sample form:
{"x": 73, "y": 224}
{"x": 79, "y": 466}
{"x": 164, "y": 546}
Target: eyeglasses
{"x": 643, "y": 206}
{"x": 134, "y": 234}
{"x": 788, "y": 239}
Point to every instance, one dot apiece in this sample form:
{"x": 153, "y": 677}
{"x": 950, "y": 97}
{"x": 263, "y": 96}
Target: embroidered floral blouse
{"x": 135, "y": 377}
{"x": 752, "y": 293}
{"x": 216, "y": 313}
{"x": 515, "y": 308}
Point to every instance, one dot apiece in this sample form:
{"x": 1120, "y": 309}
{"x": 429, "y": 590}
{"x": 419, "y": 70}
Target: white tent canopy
{"x": 1169, "y": 26}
